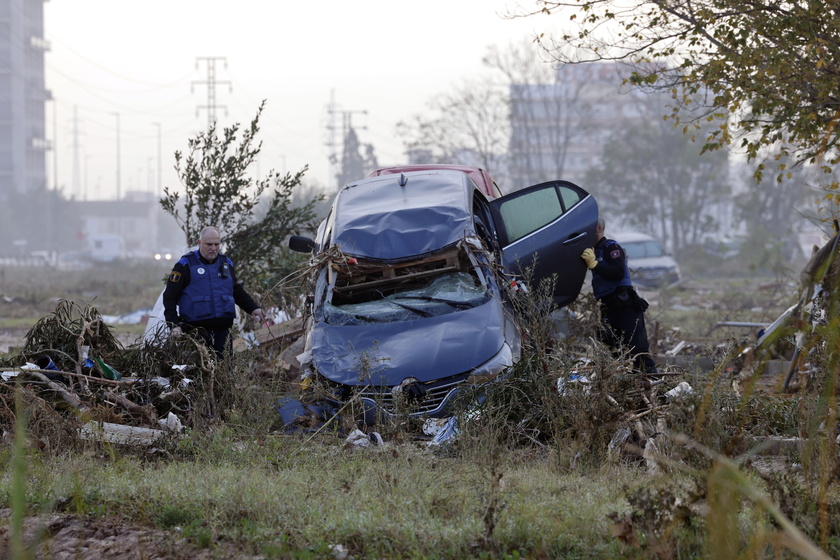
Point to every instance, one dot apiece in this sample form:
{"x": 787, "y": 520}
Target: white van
{"x": 650, "y": 266}
{"x": 106, "y": 248}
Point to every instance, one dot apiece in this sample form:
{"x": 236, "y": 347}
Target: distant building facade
{"x": 23, "y": 97}
{"x": 138, "y": 220}
{"x": 558, "y": 130}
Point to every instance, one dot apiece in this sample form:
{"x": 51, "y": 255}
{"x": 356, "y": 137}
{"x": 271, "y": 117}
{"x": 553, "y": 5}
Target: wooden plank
{"x": 365, "y": 275}
{"x": 385, "y": 281}
{"x": 119, "y": 433}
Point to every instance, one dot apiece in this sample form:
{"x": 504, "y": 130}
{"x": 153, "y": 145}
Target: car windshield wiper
{"x": 452, "y": 302}
{"x": 417, "y": 310}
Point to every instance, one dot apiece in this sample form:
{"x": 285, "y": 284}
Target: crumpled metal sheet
{"x": 379, "y": 219}
{"x": 427, "y": 348}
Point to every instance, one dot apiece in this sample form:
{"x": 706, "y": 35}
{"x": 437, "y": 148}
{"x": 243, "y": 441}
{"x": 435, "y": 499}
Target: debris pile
{"x": 802, "y": 335}
{"x": 73, "y": 367}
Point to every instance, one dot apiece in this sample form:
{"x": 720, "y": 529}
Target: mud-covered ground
{"x": 58, "y": 536}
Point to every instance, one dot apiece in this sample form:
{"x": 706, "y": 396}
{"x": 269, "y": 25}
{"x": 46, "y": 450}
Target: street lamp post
{"x": 159, "y": 167}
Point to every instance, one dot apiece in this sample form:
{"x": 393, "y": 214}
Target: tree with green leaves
{"x": 255, "y": 216}
{"x": 654, "y": 178}
{"x": 766, "y": 71}
{"x": 777, "y": 211}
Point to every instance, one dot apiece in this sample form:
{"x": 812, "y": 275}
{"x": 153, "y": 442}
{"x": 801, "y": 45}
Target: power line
{"x": 113, "y": 73}
{"x": 211, "y": 83}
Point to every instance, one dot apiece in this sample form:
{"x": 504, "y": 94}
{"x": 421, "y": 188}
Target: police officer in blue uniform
{"x": 622, "y": 309}
{"x": 202, "y": 292}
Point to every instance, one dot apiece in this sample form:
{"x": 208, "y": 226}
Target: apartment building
{"x": 23, "y": 97}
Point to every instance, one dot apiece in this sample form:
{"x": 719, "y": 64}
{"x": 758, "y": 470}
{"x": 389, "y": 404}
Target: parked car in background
{"x": 650, "y": 266}
{"x": 411, "y": 300}
{"x": 167, "y": 256}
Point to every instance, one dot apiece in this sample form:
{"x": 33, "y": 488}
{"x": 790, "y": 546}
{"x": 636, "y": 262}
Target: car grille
{"x": 435, "y": 393}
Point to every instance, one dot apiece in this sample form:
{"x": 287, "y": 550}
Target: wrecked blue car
{"x": 410, "y": 306}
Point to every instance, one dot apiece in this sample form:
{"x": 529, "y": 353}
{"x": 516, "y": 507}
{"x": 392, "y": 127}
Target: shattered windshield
{"x": 444, "y": 294}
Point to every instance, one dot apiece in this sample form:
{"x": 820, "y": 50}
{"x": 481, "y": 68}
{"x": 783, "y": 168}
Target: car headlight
{"x": 492, "y": 367}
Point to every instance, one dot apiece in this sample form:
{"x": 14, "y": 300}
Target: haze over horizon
{"x": 131, "y": 82}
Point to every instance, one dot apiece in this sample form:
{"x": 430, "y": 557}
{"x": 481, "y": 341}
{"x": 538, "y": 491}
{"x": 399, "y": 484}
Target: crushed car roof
{"x": 381, "y": 218}
{"x": 480, "y": 176}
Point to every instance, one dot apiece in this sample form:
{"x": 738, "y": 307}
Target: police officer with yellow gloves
{"x": 202, "y": 292}
{"x": 622, "y": 309}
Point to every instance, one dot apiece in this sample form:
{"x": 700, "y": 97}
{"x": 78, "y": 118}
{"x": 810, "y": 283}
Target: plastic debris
{"x": 360, "y": 439}
{"x": 172, "y": 423}
{"x": 107, "y": 371}
{"x": 682, "y": 390}
{"x": 573, "y": 378}
{"x": 447, "y": 432}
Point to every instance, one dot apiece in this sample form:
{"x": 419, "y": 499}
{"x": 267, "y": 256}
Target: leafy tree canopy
{"x": 255, "y": 217}
{"x": 768, "y": 69}
{"x": 654, "y": 177}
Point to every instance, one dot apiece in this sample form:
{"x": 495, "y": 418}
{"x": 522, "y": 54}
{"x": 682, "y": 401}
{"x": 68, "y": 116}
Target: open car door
{"x": 545, "y": 228}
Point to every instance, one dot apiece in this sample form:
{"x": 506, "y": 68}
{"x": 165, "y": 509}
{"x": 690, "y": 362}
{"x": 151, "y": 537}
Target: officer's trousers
{"x": 623, "y": 327}
{"x": 217, "y": 339}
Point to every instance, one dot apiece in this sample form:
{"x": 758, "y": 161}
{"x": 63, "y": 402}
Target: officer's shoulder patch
{"x": 615, "y": 253}
{"x": 175, "y": 276}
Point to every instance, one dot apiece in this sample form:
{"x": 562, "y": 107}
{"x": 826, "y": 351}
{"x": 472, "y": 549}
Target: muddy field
{"x": 66, "y": 537}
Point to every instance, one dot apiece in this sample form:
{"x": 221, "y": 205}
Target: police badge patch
{"x": 615, "y": 253}
{"x": 175, "y": 277}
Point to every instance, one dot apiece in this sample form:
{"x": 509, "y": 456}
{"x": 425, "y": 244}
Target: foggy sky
{"x": 130, "y": 65}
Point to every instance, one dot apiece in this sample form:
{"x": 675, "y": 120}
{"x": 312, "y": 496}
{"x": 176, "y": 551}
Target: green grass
{"x": 399, "y": 502}
{"x": 274, "y": 496}
{"x": 490, "y": 495}
{"x": 18, "y": 323}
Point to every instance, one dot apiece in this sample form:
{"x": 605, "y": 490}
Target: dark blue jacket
{"x": 209, "y": 295}
{"x": 611, "y": 271}
{"x": 205, "y": 294}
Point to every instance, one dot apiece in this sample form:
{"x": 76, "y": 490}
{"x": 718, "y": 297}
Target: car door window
{"x": 532, "y": 210}
{"x": 527, "y": 213}
{"x": 544, "y": 228}
{"x": 570, "y": 197}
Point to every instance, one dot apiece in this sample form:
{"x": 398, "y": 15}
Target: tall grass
{"x": 18, "y": 479}
{"x": 530, "y": 475}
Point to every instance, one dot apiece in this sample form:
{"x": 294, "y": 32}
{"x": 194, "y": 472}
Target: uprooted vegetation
{"x": 570, "y": 455}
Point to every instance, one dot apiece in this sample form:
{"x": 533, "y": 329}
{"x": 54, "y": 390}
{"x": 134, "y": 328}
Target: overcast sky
{"x": 133, "y": 64}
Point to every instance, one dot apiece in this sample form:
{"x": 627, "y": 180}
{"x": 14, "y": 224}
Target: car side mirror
{"x": 301, "y": 244}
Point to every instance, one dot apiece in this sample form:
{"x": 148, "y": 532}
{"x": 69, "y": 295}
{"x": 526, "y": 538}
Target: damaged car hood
{"x": 427, "y": 348}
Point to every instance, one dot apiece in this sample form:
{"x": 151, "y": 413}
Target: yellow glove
{"x": 589, "y": 256}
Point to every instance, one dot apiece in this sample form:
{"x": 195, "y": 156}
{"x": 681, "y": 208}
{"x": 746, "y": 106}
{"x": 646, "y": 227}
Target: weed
{"x": 198, "y": 533}
{"x": 18, "y": 486}
{"x": 169, "y": 516}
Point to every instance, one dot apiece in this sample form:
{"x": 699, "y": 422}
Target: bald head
{"x": 209, "y": 243}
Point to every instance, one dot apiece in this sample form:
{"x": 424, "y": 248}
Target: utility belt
{"x": 624, "y": 297}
